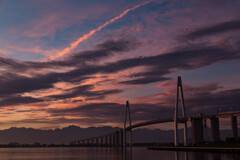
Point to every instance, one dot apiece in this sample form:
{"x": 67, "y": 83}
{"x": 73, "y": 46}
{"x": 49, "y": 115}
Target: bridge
{"x": 123, "y": 136}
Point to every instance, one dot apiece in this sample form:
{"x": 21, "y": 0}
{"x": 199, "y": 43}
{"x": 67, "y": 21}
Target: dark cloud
{"x": 89, "y": 110}
{"x": 18, "y": 100}
{"x": 13, "y": 83}
{"x": 77, "y": 91}
{"x": 233, "y": 25}
{"x": 157, "y": 69}
{"x": 209, "y": 101}
{"x": 206, "y": 99}
{"x": 104, "y": 49}
{"x": 162, "y": 65}
{"x": 145, "y": 80}
{"x": 10, "y": 63}
{"x": 85, "y": 91}
{"x": 113, "y": 112}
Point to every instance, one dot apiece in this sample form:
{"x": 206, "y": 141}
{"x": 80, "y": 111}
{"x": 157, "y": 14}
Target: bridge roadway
{"x": 183, "y": 119}
{"x": 157, "y": 121}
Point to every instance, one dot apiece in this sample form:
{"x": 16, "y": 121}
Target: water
{"x": 136, "y": 153}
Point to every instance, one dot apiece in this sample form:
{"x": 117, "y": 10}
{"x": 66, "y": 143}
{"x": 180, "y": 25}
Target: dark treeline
{"x": 229, "y": 142}
{"x": 37, "y": 144}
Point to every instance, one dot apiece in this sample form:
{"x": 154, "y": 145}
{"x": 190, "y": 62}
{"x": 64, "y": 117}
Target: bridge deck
{"x": 181, "y": 119}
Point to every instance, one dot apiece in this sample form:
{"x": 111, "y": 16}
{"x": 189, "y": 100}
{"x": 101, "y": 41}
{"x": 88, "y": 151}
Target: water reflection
{"x": 177, "y": 155}
{"x": 216, "y": 156}
{"x": 186, "y": 155}
{"x": 133, "y": 154}
{"x": 198, "y": 156}
{"x": 107, "y": 153}
{"x": 126, "y": 153}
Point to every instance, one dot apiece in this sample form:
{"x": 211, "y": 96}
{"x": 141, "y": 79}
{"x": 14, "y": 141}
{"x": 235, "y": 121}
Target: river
{"x": 88, "y": 153}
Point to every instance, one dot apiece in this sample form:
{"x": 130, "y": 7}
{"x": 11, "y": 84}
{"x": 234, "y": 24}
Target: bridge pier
{"x": 130, "y": 138}
{"x": 101, "y": 141}
{"x": 110, "y": 140}
{"x": 117, "y": 139}
{"x": 197, "y": 130}
{"x": 113, "y": 139}
{"x": 179, "y": 88}
{"x": 106, "y": 140}
{"x": 215, "y": 129}
{"x": 121, "y": 137}
{"x": 127, "y": 114}
{"x": 234, "y": 127}
{"x": 97, "y": 141}
{"x": 124, "y": 138}
{"x": 205, "y": 131}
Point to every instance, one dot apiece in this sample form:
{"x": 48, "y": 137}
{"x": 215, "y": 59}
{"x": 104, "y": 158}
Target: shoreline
{"x": 199, "y": 149}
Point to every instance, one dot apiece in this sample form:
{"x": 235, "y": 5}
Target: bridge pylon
{"x": 179, "y": 88}
{"x": 127, "y": 114}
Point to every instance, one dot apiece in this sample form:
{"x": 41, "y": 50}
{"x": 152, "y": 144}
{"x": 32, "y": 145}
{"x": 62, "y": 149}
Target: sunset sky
{"x": 68, "y": 62}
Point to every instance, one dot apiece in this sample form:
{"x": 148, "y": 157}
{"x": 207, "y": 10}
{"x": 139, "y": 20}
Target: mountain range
{"x": 71, "y": 133}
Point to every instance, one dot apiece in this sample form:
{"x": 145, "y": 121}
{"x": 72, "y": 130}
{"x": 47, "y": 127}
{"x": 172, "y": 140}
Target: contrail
{"x": 92, "y": 32}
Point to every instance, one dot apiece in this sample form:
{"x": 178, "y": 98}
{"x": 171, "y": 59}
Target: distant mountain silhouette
{"x": 70, "y": 133}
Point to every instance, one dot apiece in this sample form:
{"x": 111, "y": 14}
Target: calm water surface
{"x": 135, "y": 153}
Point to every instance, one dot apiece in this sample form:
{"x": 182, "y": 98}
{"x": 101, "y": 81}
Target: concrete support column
{"x": 197, "y": 130}
{"x": 130, "y": 137}
{"x": 198, "y": 156}
{"x": 215, "y": 129}
{"x": 106, "y": 140}
{"x": 234, "y": 127}
{"x": 121, "y": 137}
{"x": 114, "y": 141}
{"x": 205, "y": 132}
{"x": 117, "y": 139}
{"x": 97, "y": 141}
{"x": 185, "y": 134}
{"x": 110, "y": 140}
{"x": 101, "y": 141}
{"x": 124, "y": 138}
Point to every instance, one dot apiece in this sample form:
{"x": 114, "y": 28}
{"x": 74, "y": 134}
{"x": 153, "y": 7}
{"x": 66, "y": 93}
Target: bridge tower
{"x": 179, "y": 87}
{"x": 127, "y": 114}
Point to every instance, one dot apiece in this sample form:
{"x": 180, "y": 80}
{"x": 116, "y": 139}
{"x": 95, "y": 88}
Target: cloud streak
{"x": 73, "y": 45}
{"x": 215, "y": 29}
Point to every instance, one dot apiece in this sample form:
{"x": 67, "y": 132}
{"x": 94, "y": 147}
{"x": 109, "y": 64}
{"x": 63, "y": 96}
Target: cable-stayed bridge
{"x": 123, "y": 137}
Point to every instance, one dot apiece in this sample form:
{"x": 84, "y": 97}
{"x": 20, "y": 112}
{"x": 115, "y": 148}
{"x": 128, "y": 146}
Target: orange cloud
{"x": 166, "y": 84}
{"x": 92, "y": 32}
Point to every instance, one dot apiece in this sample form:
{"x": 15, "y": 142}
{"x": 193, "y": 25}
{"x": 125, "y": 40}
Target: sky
{"x": 67, "y": 62}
